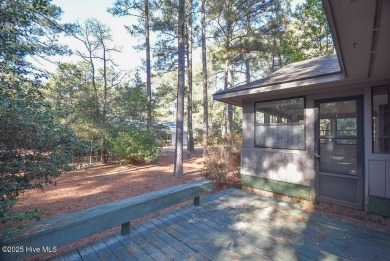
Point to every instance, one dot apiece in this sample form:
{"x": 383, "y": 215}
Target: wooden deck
{"x": 239, "y": 225}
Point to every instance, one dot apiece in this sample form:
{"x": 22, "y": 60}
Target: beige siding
{"x": 246, "y": 125}
{"x": 377, "y": 178}
{"x": 298, "y": 166}
{"x": 293, "y": 166}
{"x": 280, "y": 166}
{"x": 377, "y": 165}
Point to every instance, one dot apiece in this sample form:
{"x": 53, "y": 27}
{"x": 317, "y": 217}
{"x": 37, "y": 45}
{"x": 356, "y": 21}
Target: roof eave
{"x": 331, "y": 22}
{"x": 238, "y": 96}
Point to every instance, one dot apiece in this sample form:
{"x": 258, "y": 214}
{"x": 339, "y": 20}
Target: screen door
{"x": 339, "y": 151}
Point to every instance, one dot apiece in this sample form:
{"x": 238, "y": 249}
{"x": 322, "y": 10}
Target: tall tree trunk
{"x": 95, "y": 94}
{"x": 247, "y": 60}
{"x": 205, "y": 96}
{"x": 273, "y": 54}
{"x": 229, "y": 128}
{"x": 178, "y": 168}
{"x": 228, "y": 80}
{"x": 227, "y": 120}
{"x": 103, "y": 150}
{"x": 104, "y": 114}
{"x": 247, "y": 71}
{"x": 104, "y": 86}
{"x": 225, "y": 109}
{"x": 190, "y": 142}
{"x": 148, "y": 68}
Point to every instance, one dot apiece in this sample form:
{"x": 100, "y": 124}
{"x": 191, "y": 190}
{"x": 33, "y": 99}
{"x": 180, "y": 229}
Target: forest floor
{"x": 85, "y": 188}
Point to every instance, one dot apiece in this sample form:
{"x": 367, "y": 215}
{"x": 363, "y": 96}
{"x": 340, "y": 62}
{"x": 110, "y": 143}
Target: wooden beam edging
{"x": 43, "y": 236}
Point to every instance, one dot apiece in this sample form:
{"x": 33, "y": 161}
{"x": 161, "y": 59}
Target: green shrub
{"x": 34, "y": 148}
{"x": 137, "y": 146}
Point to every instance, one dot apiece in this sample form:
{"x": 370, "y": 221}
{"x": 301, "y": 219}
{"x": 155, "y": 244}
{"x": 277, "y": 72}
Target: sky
{"x": 80, "y": 10}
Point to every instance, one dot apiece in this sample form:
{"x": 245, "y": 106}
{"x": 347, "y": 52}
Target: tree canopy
{"x": 34, "y": 146}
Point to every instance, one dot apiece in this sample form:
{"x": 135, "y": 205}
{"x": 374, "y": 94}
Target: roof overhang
{"x": 238, "y": 97}
{"x": 361, "y": 35}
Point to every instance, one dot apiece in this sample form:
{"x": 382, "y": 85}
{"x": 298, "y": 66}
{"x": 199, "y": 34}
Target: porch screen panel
{"x": 338, "y": 137}
{"x": 280, "y": 124}
{"x": 380, "y": 119}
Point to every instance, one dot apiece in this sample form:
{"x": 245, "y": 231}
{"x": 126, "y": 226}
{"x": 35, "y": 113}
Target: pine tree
{"x": 139, "y": 9}
{"x": 178, "y": 167}
{"x": 233, "y": 21}
{"x": 34, "y": 147}
{"x": 190, "y": 142}
{"x": 97, "y": 39}
{"x": 204, "y": 82}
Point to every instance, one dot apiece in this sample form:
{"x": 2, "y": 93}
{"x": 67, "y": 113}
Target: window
{"x": 380, "y": 119}
{"x": 280, "y": 124}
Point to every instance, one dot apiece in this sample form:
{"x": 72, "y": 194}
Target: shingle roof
{"x": 296, "y": 71}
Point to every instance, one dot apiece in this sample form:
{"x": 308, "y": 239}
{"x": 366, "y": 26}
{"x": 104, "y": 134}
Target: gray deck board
{"x": 73, "y": 256}
{"x": 243, "y": 238}
{"x": 148, "y": 246}
{"x": 103, "y": 251}
{"x": 188, "y": 252}
{"x": 87, "y": 253}
{"x": 228, "y": 240}
{"x": 238, "y": 225}
{"x": 118, "y": 249}
{"x": 193, "y": 237}
{"x": 170, "y": 252}
{"x": 184, "y": 235}
{"x": 132, "y": 247}
{"x": 327, "y": 241}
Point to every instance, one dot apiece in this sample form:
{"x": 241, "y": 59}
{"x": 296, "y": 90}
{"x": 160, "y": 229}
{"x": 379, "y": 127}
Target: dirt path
{"x": 86, "y": 188}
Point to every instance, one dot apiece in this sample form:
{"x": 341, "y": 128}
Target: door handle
{"x": 317, "y": 153}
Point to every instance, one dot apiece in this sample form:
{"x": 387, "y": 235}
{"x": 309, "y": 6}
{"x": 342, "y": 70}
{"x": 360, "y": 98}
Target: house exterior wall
{"x": 377, "y": 166}
{"x": 283, "y": 170}
{"x": 173, "y": 138}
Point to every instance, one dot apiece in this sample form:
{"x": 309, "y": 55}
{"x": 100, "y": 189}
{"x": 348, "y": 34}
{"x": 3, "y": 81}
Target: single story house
{"x": 319, "y": 129}
{"x": 171, "y": 134}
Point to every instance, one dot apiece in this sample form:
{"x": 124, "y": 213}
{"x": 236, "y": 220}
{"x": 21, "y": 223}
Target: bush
{"x": 223, "y": 164}
{"x": 138, "y": 146}
{"x": 33, "y": 148}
